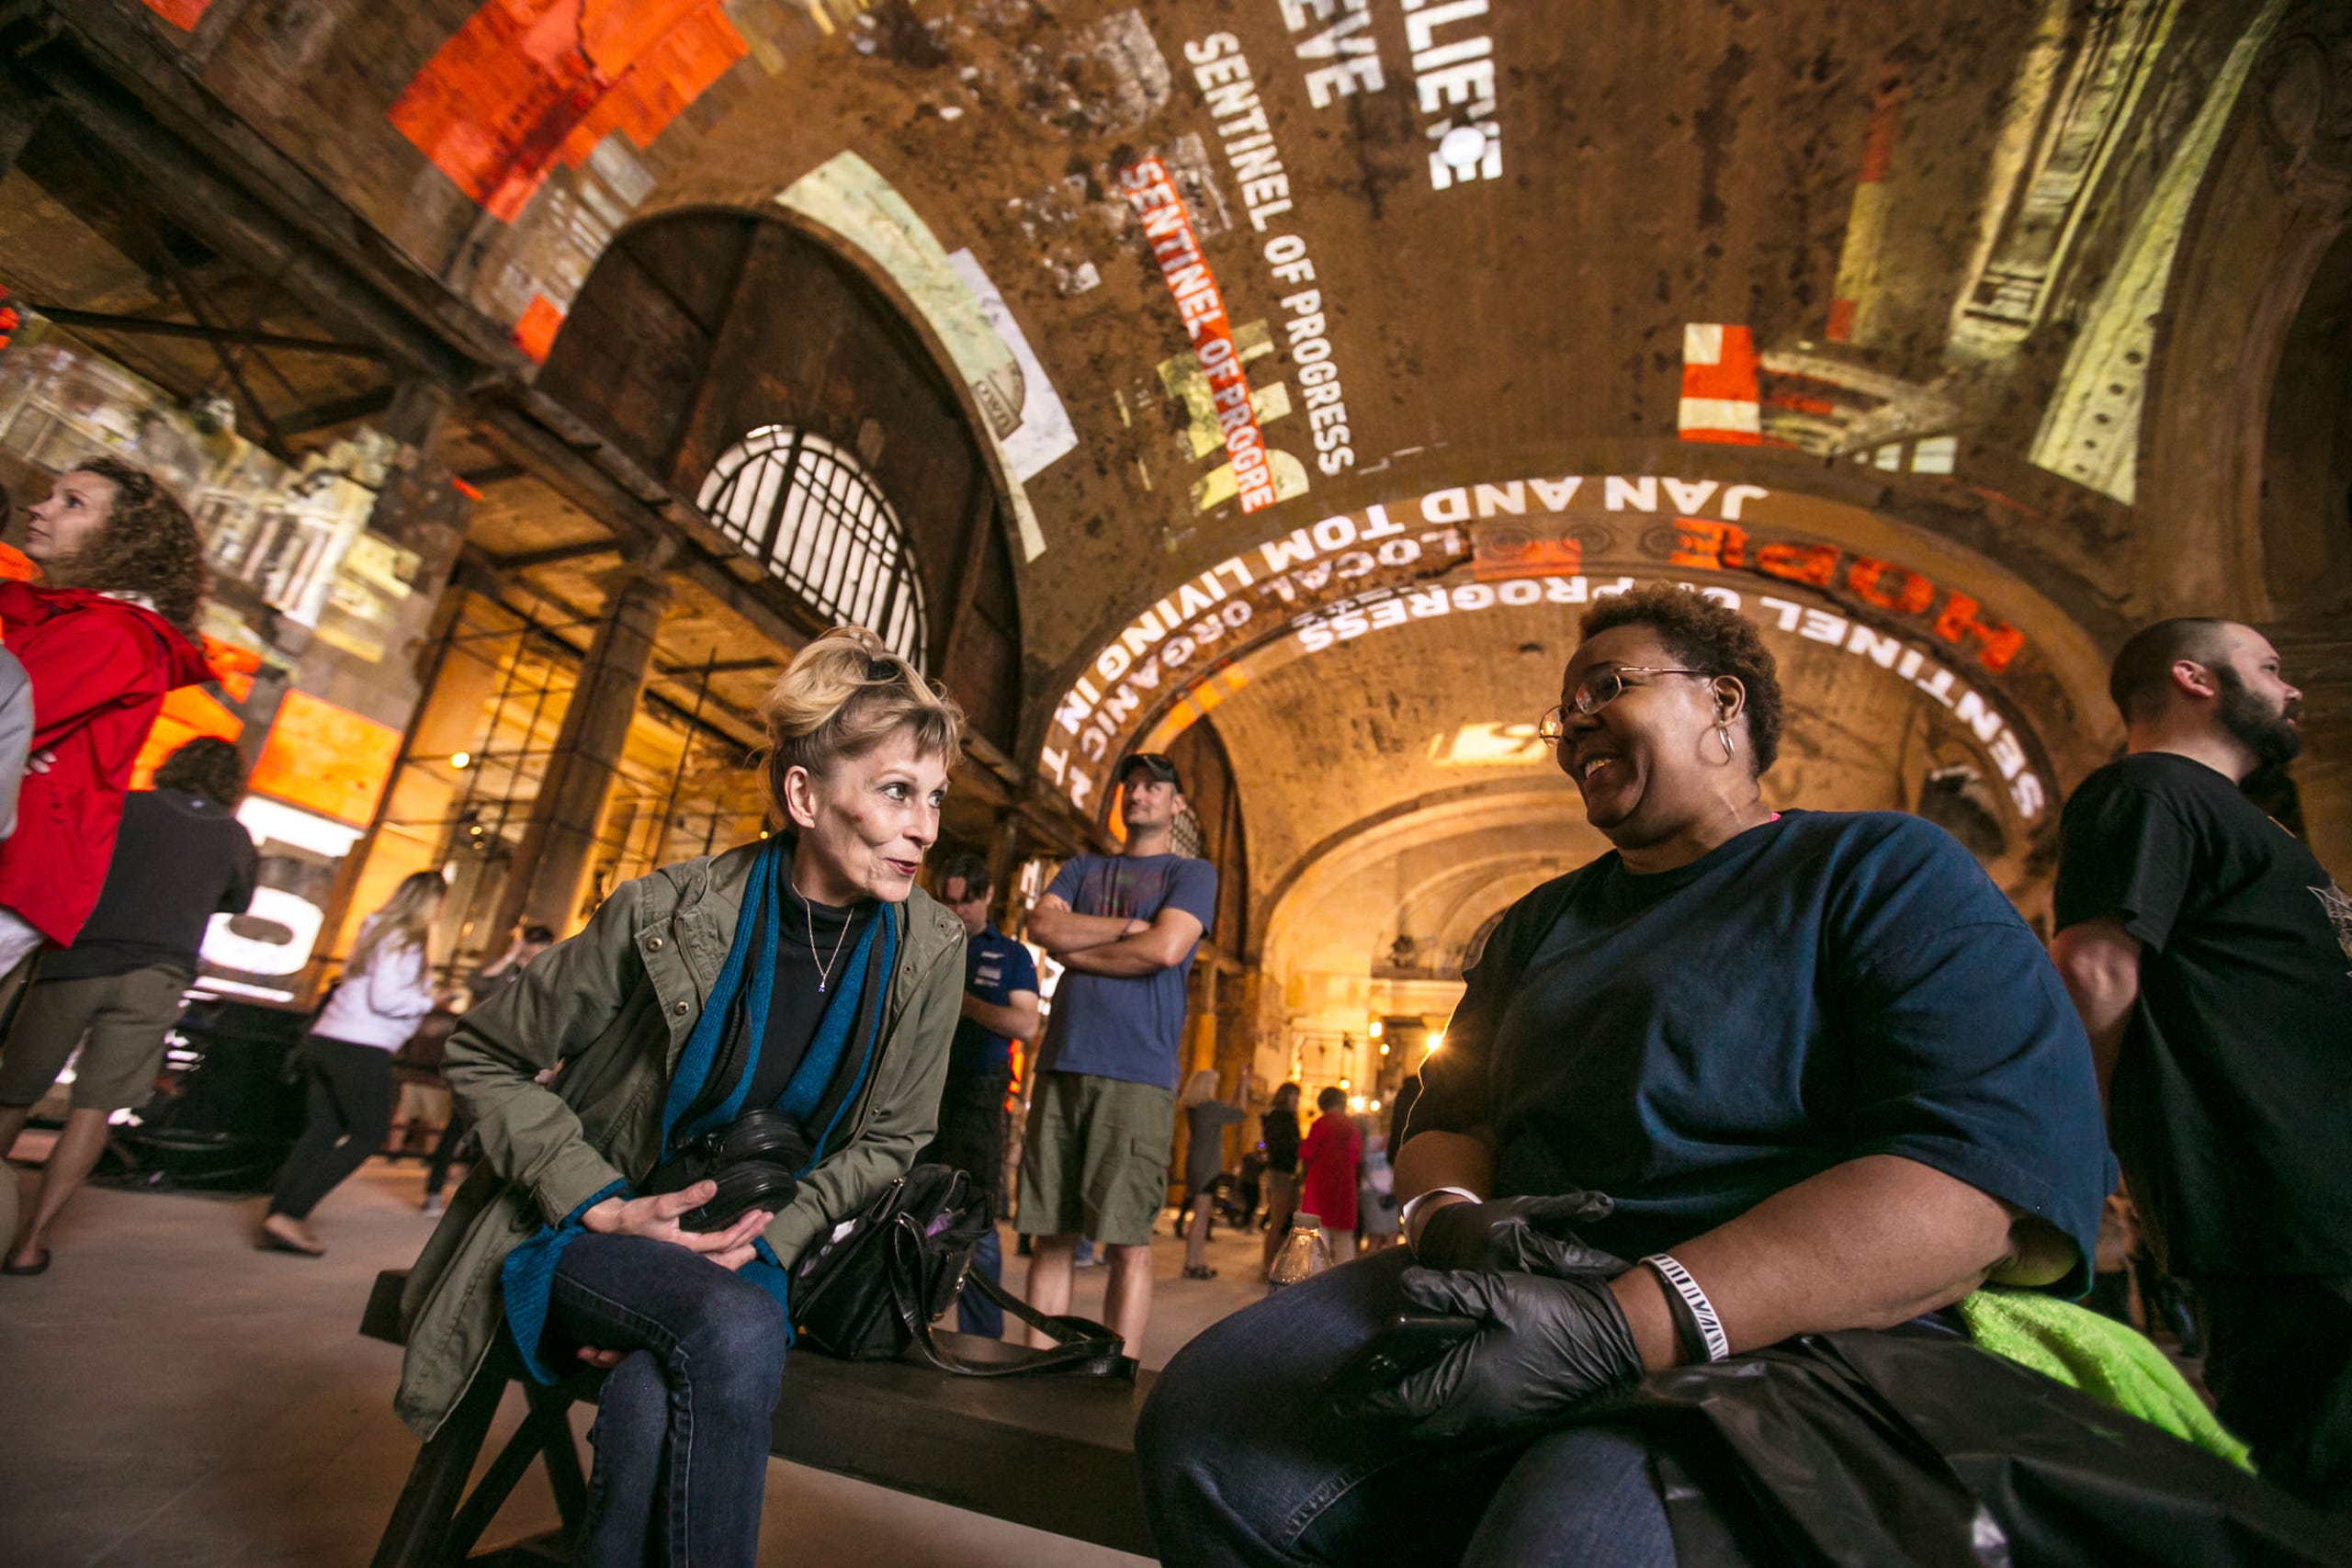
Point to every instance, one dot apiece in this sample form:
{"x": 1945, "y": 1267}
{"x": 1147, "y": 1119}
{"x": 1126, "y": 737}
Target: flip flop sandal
{"x": 26, "y": 1271}
{"x": 268, "y": 1243}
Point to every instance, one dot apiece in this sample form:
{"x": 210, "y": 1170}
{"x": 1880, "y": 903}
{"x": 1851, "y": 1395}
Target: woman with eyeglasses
{"x": 1751, "y": 1075}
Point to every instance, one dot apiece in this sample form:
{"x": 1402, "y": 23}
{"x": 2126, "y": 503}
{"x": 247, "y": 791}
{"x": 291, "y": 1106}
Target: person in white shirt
{"x": 385, "y": 990}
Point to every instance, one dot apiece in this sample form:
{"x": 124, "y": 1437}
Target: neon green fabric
{"x": 2111, "y": 1361}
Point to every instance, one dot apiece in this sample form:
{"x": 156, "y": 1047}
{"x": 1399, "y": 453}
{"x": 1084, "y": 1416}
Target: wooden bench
{"x": 1055, "y": 1453}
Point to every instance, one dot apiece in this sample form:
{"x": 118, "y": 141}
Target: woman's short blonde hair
{"x": 842, "y": 696}
{"x": 1199, "y": 1090}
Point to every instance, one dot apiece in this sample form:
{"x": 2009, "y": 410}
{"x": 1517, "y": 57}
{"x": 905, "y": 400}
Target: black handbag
{"x": 753, "y": 1159}
{"x": 870, "y": 1292}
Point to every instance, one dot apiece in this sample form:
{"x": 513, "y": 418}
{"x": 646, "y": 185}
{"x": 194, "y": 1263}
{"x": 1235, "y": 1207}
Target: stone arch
{"x": 1979, "y": 638}
{"x": 700, "y": 325}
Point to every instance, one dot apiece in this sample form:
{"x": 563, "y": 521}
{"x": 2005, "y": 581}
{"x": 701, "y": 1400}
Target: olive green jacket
{"x": 612, "y": 1007}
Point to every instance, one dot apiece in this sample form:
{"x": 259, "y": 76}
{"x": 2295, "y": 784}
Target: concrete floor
{"x": 175, "y": 1398}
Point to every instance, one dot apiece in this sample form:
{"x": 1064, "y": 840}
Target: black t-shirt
{"x": 1278, "y": 1129}
{"x": 179, "y": 859}
{"x": 1820, "y": 989}
{"x": 797, "y": 1006}
{"x": 2232, "y": 1091}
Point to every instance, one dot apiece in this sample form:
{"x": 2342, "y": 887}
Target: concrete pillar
{"x": 560, "y": 835}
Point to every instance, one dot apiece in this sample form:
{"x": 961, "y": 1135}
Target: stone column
{"x": 560, "y": 835}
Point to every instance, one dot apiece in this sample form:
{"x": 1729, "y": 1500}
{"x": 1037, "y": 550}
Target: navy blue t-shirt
{"x": 994, "y": 967}
{"x": 1115, "y": 1026}
{"x": 1825, "y": 986}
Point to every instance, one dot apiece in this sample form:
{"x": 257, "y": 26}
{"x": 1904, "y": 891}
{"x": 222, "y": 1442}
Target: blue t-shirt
{"x": 1120, "y": 1027}
{"x": 1822, "y": 988}
{"x": 994, "y": 967}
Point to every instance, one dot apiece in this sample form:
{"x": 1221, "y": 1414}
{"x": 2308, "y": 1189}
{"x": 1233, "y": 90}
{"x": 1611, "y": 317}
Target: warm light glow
{"x": 1375, "y": 1105}
{"x": 1376, "y": 1028}
{"x": 1384, "y": 1049}
{"x": 1355, "y": 1102}
{"x": 461, "y": 758}
{"x": 1345, "y": 1084}
{"x": 1437, "y": 1040}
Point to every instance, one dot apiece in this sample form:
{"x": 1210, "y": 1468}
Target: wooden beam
{"x": 556, "y": 555}
{"x": 575, "y": 463}
{"x": 980, "y": 518}
{"x": 142, "y": 326}
{"x": 341, "y": 410}
{"x": 743, "y": 728}
{"x": 211, "y": 172}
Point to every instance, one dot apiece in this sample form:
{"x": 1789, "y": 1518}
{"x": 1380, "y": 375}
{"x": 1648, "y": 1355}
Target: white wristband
{"x": 1710, "y": 1327}
{"x": 1419, "y": 1200}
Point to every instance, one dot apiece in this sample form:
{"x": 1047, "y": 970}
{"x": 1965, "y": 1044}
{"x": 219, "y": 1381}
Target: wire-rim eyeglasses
{"x": 1597, "y": 691}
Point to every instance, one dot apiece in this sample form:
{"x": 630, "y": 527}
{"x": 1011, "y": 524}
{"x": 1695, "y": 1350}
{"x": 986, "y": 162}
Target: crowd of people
{"x": 1760, "y": 1118}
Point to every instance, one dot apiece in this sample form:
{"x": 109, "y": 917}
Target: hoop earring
{"x": 1723, "y": 735}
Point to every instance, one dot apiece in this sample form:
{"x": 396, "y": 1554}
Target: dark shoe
{"x": 26, "y": 1271}
{"x": 1199, "y": 1271}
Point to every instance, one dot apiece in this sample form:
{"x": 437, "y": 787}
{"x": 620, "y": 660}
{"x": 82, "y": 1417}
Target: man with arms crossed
{"x": 2211, "y": 957}
{"x": 1103, "y": 1115}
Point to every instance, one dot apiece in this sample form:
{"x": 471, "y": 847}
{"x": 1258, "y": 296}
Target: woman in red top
{"x": 103, "y": 639}
{"x": 1326, "y": 1164}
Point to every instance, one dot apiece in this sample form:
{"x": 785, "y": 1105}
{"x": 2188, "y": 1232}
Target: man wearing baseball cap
{"x": 1102, "y": 1118}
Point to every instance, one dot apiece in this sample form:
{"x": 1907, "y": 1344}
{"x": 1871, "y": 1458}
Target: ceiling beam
{"x": 144, "y": 326}
{"x": 555, "y": 555}
{"x": 339, "y": 410}
{"x": 276, "y": 221}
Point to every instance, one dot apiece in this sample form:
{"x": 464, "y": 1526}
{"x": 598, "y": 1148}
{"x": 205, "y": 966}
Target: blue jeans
{"x": 682, "y": 1425}
{"x": 1243, "y": 1463}
{"x": 975, "y": 1313}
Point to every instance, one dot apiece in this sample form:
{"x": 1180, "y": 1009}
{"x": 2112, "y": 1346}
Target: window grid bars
{"x": 809, "y": 512}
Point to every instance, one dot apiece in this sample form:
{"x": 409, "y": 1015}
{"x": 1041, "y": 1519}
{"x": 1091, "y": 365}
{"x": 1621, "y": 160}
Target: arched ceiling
{"x": 1870, "y": 290}
{"x": 1473, "y": 232}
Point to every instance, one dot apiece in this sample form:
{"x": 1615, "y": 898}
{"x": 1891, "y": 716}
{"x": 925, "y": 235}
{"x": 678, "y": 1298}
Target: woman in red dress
{"x": 1326, "y": 1163}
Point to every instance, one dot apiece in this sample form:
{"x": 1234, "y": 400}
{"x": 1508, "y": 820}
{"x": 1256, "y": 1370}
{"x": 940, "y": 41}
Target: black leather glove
{"x": 1531, "y": 1235}
{"x": 1547, "y": 1345}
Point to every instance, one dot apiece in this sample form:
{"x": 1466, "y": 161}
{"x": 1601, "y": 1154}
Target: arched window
{"x": 807, "y": 511}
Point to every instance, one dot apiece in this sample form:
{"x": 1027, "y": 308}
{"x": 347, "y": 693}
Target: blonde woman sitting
{"x": 805, "y": 976}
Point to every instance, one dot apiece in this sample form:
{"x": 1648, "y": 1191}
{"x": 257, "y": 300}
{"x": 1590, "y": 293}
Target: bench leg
{"x": 490, "y": 1493}
{"x": 551, "y": 1411}
{"x": 417, "y": 1534}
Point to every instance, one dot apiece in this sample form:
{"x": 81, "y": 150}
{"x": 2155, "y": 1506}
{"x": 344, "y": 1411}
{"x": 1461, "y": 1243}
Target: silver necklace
{"x": 824, "y": 966}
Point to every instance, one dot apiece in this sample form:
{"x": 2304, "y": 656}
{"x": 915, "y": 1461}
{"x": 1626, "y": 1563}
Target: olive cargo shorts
{"x": 1095, "y": 1162}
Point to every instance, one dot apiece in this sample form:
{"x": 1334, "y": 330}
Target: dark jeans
{"x": 2279, "y": 1361}
{"x": 975, "y": 1313}
{"x": 351, "y": 1099}
{"x": 682, "y": 1425}
{"x": 453, "y": 1133}
{"x": 1244, "y": 1463}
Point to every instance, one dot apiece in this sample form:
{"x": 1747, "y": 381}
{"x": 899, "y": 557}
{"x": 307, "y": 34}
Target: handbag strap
{"x": 1083, "y": 1346}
